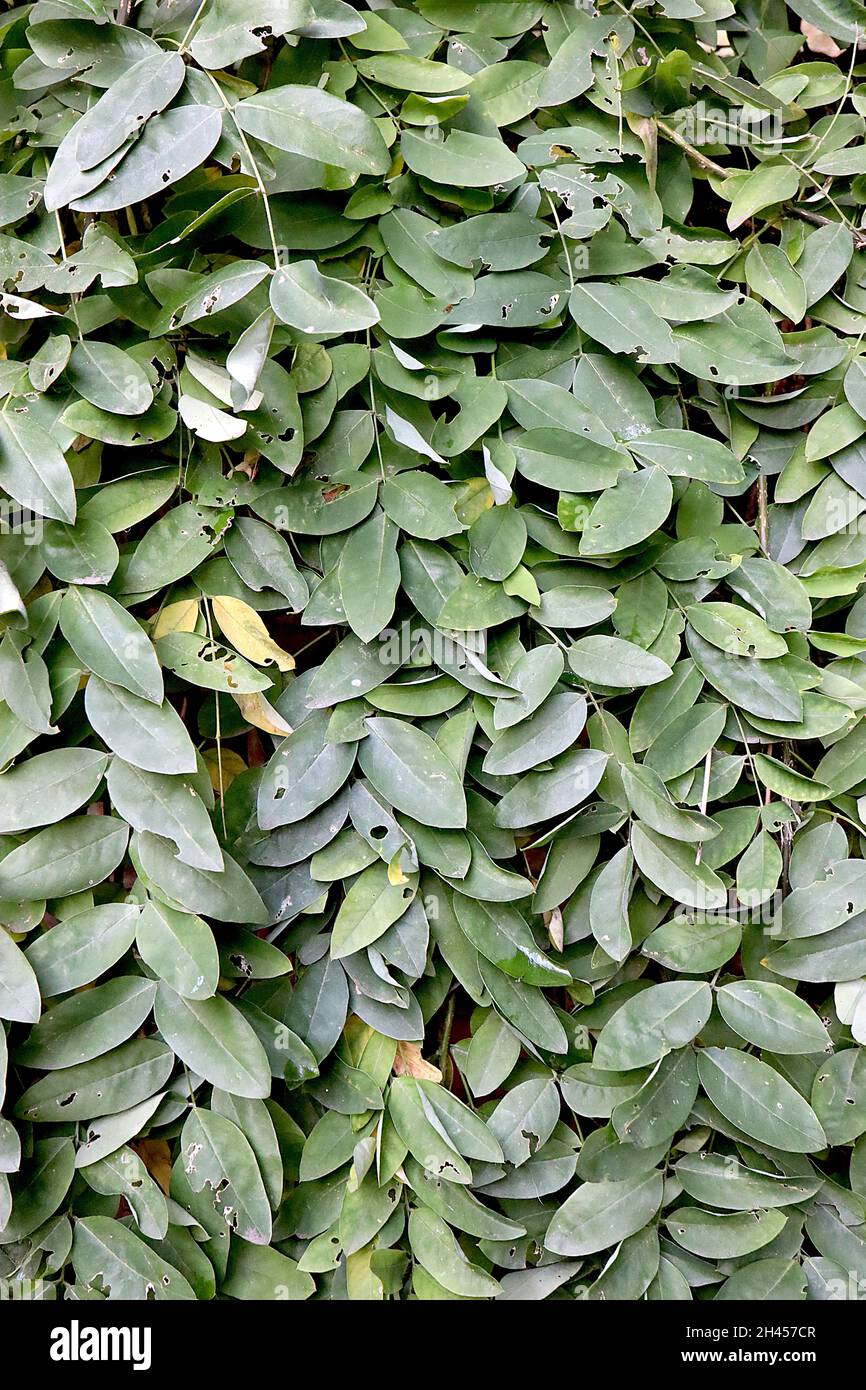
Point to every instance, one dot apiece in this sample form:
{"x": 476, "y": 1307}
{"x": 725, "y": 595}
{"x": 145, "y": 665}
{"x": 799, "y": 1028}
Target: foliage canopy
{"x": 433, "y": 467}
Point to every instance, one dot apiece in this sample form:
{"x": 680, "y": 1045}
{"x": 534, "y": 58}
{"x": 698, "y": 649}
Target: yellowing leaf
{"x": 395, "y": 873}
{"x": 555, "y": 928}
{"x": 176, "y": 617}
{"x": 245, "y": 630}
{"x": 258, "y": 711}
{"x": 474, "y": 496}
{"x": 223, "y": 767}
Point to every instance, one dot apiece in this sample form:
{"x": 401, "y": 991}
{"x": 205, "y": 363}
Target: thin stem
{"x": 763, "y": 515}
{"x": 257, "y": 175}
{"x": 206, "y": 606}
{"x": 561, "y": 236}
{"x": 702, "y": 159}
{"x": 372, "y": 90}
{"x": 375, "y": 417}
{"x": 194, "y": 21}
{"x": 748, "y": 753}
{"x": 636, "y": 22}
{"x": 712, "y": 167}
{"x": 73, "y": 303}
{"x": 819, "y": 220}
{"x": 745, "y": 523}
{"x": 445, "y": 1041}
{"x": 844, "y": 97}
{"x": 830, "y": 199}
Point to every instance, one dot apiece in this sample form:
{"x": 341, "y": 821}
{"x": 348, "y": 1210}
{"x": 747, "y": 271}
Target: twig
{"x": 711, "y": 167}
{"x": 702, "y": 159}
{"x": 446, "y": 1033}
{"x": 763, "y": 516}
{"x": 819, "y": 220}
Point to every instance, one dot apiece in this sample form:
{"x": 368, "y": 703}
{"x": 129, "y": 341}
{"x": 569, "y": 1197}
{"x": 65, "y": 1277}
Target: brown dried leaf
{"x": 409, "y": 1062}
{"x": 819, "y": 42}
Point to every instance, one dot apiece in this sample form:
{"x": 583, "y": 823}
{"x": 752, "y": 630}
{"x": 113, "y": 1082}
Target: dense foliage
{"x": 433, "y": 454}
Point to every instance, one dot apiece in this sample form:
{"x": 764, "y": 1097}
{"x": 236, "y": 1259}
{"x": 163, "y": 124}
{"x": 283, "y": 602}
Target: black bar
{"x": 225, "y": 1338}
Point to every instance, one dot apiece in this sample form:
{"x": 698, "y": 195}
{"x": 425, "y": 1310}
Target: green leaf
{"x": 171, "y": 146}
{"x": 437, "y": 1251}
{"x": 311, "y": 122}
{"x": 673, "y": 867}
{"x": 608, "y": 905}
{"x": 49, "y": 787}
{"x": 110, "y": 643}
{"x": 724, "y": 1236}
{"x": 86, "y": 1025}
{"x": 693, "y": 946}
{"x": 109, "y": 378}
{"x": 233, "y": 29}
{"x": 601, "y": 1214}
{"x": 712, "y": 1179}
{"x": 839, "y": 1096}
{"x": 462, "y": 158}
{"x": 502, "y": 936}
{"x": 82, "y": 947}
{"x": 226, "y": 894}
{"x": 621, "y": 321}
{"x": 408, "y": 769}
{"x": 215, "y": 1040}
{"x": 168, "y": 806}
{"x": 369, "y": 574}
{"x": 122, "y": 1077}
{"x": 304, "y": 298}
{"x": 653, "y": 1023}
{"x": 304, "y": 773}
{"x": 611, "y": 661}
{"x": 540, "y": 795}
{"x": 33, "y": 469}
{"x": 146, "y": 88}
{"x": 19, "y": 990}
{"x": 180, "y": 948}
{"x": 759, "y": 1101}
{"x": 628, "y": 512}
{"x": 770, "y": 183}
{"x": 67, "y": 858}
{"x": 107, "y": 1255}
{"x": 554, "y": 727}
{"x": 149, "y": 736}
{"x": 217, "y": 1156}
{"x": 772, "y": 1018}
{"x": 370, "y": 907}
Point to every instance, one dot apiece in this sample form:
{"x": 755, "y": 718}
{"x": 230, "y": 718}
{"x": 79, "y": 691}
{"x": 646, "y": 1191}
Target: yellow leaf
{"x": 257, "y": 711}
{"x": 362, "y": 1285}
{"x": 474, "y": 496}
{"x": 176, "y": 617}
{"x": 555, "y": 928}
{"x": 245, "y": 630}
{"x": 396, "y": 875}
{"x": 223, "y": 767}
